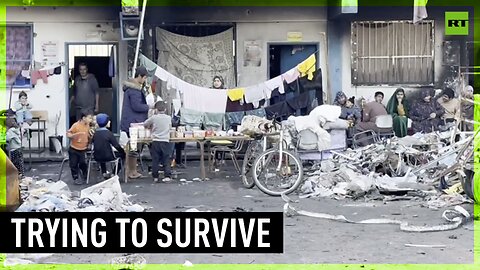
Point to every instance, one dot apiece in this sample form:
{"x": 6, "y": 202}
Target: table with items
{"x": 141, "y": 135}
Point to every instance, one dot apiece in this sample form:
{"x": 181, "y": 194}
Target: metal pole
{"x": 140, "y": 31}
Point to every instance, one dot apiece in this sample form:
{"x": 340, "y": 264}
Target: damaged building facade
{"x": 360, "y": 50}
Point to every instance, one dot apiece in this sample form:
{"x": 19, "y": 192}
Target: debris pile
{"x": 411, "y": 166}
{"x": 48, "y": 196}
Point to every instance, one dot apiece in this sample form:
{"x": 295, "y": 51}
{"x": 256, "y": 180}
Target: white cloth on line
{"x": 291, "y": 75}
{"x": 276, "y": 82}
{"x": 204, "y": 100}
{"x": 177, "y": 104}
{"x": 254, "y": 94}
{"x": 162, "y": 74}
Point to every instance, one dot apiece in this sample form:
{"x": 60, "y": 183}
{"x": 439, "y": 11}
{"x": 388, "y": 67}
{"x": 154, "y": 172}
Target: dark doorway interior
{"x": 98, "y": 66}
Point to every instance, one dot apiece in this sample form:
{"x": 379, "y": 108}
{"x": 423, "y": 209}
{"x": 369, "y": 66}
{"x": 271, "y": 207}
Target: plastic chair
{"x": 114, "y": 163}
{"x": 384, "y": 124}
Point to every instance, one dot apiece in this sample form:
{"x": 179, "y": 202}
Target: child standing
{"x": 22, "y": 109}
{"x": 103, "y": 140}
{"x": 79, "y": 134}
{"x": 161, "y": 149}
{"x": 14, "y": 146}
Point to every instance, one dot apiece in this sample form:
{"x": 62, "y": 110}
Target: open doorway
{"x": 101, "y": 59}
{"x": 285, "y": 56}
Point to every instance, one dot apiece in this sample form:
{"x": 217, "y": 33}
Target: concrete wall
{"x": 385, "y": 13}
{"x": 63, "y": 25}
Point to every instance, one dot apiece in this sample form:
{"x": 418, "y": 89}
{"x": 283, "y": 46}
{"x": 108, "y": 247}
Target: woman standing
{"x": 397, "y": 108}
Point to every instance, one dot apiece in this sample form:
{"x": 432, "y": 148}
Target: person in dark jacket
{"x": 426, "y": 113}
{"x": 134, "y": 110}
{"x": 103, "y": 140}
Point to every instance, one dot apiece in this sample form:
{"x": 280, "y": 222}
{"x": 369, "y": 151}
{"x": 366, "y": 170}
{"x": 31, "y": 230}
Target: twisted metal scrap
{"x": 461, "y": 216}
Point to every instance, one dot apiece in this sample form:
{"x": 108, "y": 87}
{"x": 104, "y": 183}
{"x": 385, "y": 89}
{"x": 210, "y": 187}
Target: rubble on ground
{"x": 412, "y": 165}
{"x": 49, "y": 196}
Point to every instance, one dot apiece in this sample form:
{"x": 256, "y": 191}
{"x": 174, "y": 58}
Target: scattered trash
{"x": 48, "y": 196}
{"x": 24, "y": 258}
{"x": 132, "y": 261}
{"x": 395, "y": 168}
{"x": 188, "y": 264}
{"x": 455, "y": 218}
{"x": 425, "y": 246}
{"x": 248, "y": 196}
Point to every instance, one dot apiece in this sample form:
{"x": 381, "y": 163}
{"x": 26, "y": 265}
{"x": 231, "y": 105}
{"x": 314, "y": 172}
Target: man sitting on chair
{"x": 371, "y": 111}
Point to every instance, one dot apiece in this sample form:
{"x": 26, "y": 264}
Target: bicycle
{"x": 286, "y": 173}
{"x": 256, "y": 147}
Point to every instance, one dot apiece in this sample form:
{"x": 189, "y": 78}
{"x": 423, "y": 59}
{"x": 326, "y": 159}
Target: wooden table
{"x": 200, "y": 141}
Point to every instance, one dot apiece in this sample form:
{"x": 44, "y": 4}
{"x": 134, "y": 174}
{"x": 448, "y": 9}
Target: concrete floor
{"x": 307, "y": 240}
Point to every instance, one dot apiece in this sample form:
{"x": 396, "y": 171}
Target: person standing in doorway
{"x": 85, "y": 92}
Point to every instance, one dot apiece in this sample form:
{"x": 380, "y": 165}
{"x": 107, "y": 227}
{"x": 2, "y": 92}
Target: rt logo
{"x": 456, "y": 23}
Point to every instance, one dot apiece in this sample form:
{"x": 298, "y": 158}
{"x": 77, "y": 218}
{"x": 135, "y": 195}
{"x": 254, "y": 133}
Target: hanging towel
{"x": 39, "y": 74}
{"x": 190, "y": 117}
{"x": 236, "y": 94}
{"x": 258, "y": 112}
{"x": 177, "y": 104}
{"x": 148, "y": 64}
{"x": 162, "y": 74}
{"x": 299, "y": 102}
{"x": 274, "y": 83}
{"x": 307, "y": 67}
{"x": 213, "y": 120}
{"x": 204, "y": 99}
{"x": 419, "y": 11}
{"x": 233, "y": 119}
{"x": 255, "y": 93}
{"x": 279, "y": 110}
{"x": 291, "y": 75}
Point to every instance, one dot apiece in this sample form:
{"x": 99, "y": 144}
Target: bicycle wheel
{"x": 272, "y": 181}
{"x": 253, "y": 150}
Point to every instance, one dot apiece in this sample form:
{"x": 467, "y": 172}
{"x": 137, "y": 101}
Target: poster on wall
{"x": 253, "y": 54}
{"x": 49, "y": 53}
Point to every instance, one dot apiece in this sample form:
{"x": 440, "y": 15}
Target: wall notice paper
{"x": 253, "y": 54}
{"x": 49, "y": 52}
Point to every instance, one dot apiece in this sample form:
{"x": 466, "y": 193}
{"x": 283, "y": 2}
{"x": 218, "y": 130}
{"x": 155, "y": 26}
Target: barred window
{"x": 392, "y": 52}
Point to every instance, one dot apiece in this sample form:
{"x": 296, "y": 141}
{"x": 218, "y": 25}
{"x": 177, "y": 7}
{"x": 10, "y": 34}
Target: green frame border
{"x": 3, "y": 98}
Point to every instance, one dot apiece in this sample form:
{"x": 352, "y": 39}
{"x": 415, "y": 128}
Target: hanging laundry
{"x": 213, "y": 120}
{"x": 280, "y": 110}
{"x": 307, "y": 67}
{"x": 291, "y": 75}
{"x": 191, "y": 117}
{"x": 236, "y": 94}
{"x": 57, "y": 70}
{"x": 177, "y": 104}
{"x": 299, "y": 102}
{"x": 255, "y": 93}
{"x": 162, "y": 74}
{"x": 233, "y": 119}
{"x": 204, "y": 99}
{"x": 148, "y": 64}
{"x": 258, "y": 112}
{"x": 39, "y": 74}
{"x": 275, "y": 83}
